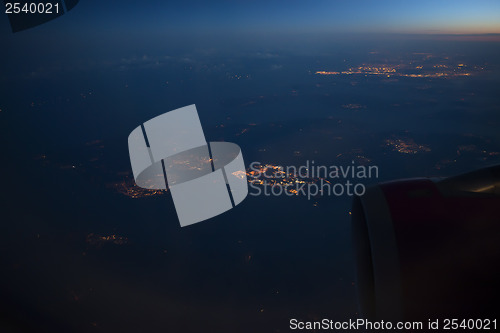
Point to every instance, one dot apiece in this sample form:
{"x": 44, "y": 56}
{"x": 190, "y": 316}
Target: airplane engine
{"x": 429, "y": 248}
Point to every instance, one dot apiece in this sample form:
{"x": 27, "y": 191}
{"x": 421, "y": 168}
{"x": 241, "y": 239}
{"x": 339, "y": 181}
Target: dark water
{"x": 255, "y": 267}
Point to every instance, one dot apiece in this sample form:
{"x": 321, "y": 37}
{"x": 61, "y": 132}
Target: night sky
{"x": 340, "y": 16}
{"x": 426, "y": 16}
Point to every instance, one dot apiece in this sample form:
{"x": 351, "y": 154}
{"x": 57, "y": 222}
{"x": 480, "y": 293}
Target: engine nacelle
{"x": 429, "y": 249}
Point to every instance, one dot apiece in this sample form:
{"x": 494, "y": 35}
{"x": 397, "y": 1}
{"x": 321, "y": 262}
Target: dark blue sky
{"x": 423, "y": 16}
{"x": 443, "y": 16}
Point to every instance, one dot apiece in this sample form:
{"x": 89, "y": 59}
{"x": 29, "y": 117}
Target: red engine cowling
{"x": 428, "y": 249}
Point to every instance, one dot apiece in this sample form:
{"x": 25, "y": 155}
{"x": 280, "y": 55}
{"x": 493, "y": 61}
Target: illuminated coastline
{"x": 403, "y": 70}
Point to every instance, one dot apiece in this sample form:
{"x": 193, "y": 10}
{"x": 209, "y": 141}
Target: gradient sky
{"x": 401, "y": 16}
